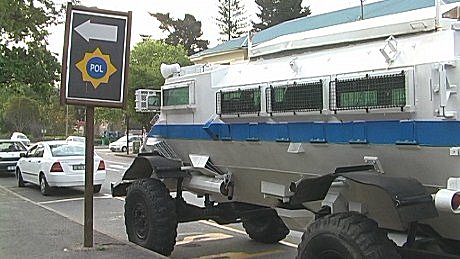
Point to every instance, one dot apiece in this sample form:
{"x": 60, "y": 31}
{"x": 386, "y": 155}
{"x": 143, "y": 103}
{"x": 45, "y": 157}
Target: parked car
{"x": 10, "y": 152}
{"x": 120, "y": 144}
{"x": 21, "y": 137}
{"x": 57, "y": 164}
{"x": 76, "y": 139}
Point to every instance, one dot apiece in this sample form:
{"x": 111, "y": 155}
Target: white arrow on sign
{"x": 97, "y": 31}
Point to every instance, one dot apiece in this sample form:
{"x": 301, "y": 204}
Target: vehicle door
{"x": 32, "y": 163}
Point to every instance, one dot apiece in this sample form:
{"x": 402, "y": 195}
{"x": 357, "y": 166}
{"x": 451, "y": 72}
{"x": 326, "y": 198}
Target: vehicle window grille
{"x": 238, "y": 101}
{"x": 386, "y": 91}
{"x": 295, "y": 97}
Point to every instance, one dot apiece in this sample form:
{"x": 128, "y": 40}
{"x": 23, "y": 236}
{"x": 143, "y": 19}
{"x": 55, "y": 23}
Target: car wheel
{"x": 150, "y": 216}
{"x": 19, "y": 178}
{"x": 97, "y": 188}
{"x": 266, "y": 228}
{"x": 346, "y": 235}
{"x": 45, "y": 189}
{"x": 123, "y": 149}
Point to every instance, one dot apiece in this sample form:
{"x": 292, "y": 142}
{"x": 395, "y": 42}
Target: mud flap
{"x": 409, "y": 197}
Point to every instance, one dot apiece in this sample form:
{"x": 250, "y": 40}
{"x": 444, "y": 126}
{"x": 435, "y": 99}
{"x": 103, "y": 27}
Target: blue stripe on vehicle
{"x": 428, "y": 133}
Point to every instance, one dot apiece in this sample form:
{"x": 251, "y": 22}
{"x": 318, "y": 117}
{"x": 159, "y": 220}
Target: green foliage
{"x": 144, "y": 71}
{"x": 273, "y": 12}
{"x": 232, "y": 20}
{"x": 21, "y": 114}
{"x": 26, "y": 20}
{"x": 184, "y": 32}
{"x": 27, "y": 68}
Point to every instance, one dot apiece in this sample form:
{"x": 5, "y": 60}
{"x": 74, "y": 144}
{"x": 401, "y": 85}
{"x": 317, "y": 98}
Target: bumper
{"x": 8, "y": 166}
{"x": 66, "y": 180}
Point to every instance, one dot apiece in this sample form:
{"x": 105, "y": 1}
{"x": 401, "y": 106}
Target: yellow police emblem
{"x": 96, "y": 67}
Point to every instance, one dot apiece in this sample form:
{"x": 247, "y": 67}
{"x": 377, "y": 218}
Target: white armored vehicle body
{"x": 353, "y": 126}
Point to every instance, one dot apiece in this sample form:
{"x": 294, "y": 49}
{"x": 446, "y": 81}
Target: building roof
{"x": 372, "y": 10}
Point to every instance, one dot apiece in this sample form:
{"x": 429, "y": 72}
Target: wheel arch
{"x": 148, "y": 165}
{"x": 392, "y": 201}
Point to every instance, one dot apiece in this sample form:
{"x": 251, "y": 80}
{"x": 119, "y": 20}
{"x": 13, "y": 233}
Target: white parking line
{"x": 240, "y": 231}
{"x": 105, "y": 196}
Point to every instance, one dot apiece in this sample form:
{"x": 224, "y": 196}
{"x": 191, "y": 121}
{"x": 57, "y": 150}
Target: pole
{"x": 89, "y": 176}
{"x": 127, "y": 134}
{"x": 67, "y": 120}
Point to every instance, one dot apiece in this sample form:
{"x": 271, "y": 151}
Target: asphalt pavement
{"x": 29, "y": 230}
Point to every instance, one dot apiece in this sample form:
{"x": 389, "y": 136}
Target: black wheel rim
{"x": 140, "y": 221}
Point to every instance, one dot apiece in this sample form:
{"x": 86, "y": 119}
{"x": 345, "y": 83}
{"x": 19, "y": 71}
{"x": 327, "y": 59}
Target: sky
{"x": 205, "y": 11}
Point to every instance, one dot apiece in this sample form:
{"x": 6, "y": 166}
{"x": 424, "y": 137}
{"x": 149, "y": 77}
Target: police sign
{"x": 95, "y": 59}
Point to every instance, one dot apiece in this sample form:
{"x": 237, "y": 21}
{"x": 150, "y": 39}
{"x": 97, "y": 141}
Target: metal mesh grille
{"x": 385, "y": 91}
{"x": 238, "y": 102}
{"x": 295, "y": 97}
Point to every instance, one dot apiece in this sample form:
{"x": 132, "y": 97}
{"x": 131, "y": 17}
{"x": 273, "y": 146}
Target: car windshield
{"x": 67, "y": 150}
{"x": 12, "y": 147}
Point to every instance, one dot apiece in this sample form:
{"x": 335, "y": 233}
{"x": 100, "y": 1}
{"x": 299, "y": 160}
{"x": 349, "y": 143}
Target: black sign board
{"x": 95, "y": 58}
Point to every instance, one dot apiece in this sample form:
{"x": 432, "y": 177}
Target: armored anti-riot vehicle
{"x": 345, "y": 132}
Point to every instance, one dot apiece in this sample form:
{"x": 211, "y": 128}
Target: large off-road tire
{"x": 265, "y": 228}
{"x": 150, "y": 216}
{"x": 346, "y": 235}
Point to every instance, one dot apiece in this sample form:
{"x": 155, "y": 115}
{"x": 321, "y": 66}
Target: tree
{"x": 273, "y": 12}
{"x": 145, "y": 61}
{"x": 21, "y": 114}
{"x": 27, "y": 68}
{"x": 185, "y": 32}
{"x": 232, "y": 21}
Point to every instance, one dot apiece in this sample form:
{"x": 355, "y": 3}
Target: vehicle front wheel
{"x": 345, "y": 235}
{"x": 19, "y": 178}
{"x": 45, "y": 189}
{"x": 123, "y": 149}
{"x": 266, "y": 228}
{"x": 150, "y": 216}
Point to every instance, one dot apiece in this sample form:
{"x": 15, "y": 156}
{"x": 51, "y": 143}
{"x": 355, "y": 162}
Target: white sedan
{"x": 57, "y": 164}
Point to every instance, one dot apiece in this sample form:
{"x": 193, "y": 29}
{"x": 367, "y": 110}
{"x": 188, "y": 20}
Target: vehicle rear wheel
{"x": 150, "y": 216}
{"x": 266, "y": 228}
{"x": 19, "y": 178}
{"x": 345, "y": 235}
{"x": 45, "y": 189}
{"x": 123, "y": 149}
{"x": 97, "y": 188}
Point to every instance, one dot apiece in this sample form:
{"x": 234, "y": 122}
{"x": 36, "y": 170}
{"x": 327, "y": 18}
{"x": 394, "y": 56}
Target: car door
{"x": 32, "y": 164}
{"x": 25, "y": 162}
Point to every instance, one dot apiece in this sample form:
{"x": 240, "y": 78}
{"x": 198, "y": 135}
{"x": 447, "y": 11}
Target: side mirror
{"x": 23, "y": 154}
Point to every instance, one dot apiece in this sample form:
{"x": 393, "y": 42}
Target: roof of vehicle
{"x": 312, "y": 22}
{"x": 56, "y": 142}
{"x": 10, "y": 140}
{"x": 16, "y": 134}
{"x": 76, "y": 138}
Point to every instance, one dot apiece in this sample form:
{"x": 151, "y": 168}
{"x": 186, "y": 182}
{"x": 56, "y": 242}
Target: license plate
{"x": 78, "y": 167}
{"x": 11, "y": 168}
